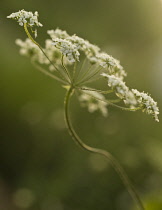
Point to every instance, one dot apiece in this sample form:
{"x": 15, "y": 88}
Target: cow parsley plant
{"x": 75, "y": 62}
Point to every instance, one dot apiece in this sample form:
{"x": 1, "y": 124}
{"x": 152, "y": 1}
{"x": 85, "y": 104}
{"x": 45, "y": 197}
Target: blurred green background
{"x": 40, "y": 166}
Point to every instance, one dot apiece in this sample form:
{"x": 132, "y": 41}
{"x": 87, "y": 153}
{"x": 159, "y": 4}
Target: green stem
{"x": 74, "y": 71}
{"x": 92, "y": 80}
{"x": 85, "y": 74}
{"x": 111, "y": 103}
{"x": 36, "y": 43}
{"x": 90, "y": 76}
{"x": 48, "y": 73}
{"x": 104, "y": 153}
{"x": 91, "y": 89}
{"x": 81, "y": 68}
{"x": 66, "y": 71}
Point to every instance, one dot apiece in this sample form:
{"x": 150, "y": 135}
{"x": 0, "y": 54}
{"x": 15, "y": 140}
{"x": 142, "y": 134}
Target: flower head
{"x": 28, "y": 18}
{"x": 147, "y": 103}
{"x": 58, "y": 33}
{"x": 111, "y": 64}
{"x": 27, "y": 48}
{"x": 85, "y": 46}
{"x": 89, "y": 99}
{"x": 121, "y": 90}
{"x": 63, "y": 50}
{"x": 67, "y": 48}
{"x": 72, "y": 43}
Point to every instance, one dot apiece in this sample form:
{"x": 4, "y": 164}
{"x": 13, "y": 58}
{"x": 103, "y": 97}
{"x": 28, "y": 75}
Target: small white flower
{"x": 58, "y": 33}
{"x": 87, "y": 99}
{"x": 147, "y": 103}
{"x": 130, "y": 99}
{"x": 71, "y": 46}
{"x": 52, "y": 52}
{"x": 89, "y": 49}
{"x": 111, "y": 64}
{"x": 117, "y": 84}
{"x": 121, "y": 90}
{"x": 24, "y": 17}
{"x": 79, "y": 42}
{"x": 67, "y": 48}
{"x": 28, "y": 48}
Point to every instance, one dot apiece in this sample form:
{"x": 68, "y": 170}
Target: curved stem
{"x": 104, "y": 153}
{"x": 36, "y": 43}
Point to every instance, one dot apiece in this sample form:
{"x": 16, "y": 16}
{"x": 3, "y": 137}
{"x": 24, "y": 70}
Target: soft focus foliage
{"x": 40, "y": 167}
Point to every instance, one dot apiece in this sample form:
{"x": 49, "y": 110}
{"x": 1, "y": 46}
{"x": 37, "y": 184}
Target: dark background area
{"x": 40, "y": 166}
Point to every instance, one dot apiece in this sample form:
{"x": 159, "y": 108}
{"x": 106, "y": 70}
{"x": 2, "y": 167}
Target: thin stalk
{"x": 66, "y": 71}
{"x": 129, "y": 186}
{"x": 36, "y": 43}
{"x": 92, "y": 80}
{"x": 91, "y": 89}
{"x": 85, "y": 74}
{"x": 80, "y": 69}
{"x": 74, "y": 71}
{"x": 111, "y": 102}
{"x": 91, "y": 76}
{"x": 48, "y": 73}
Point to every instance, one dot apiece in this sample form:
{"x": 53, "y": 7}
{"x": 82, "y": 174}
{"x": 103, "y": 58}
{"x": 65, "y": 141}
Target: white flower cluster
{"x": 62, "y": 37}
{"x": 111, "y": 64}
{"x": 54, "y": 55}
{"x": 26, "y": 17}
{"x": 133, "y": 97}
{"x": 29, "y": 49}
{"x": 71, "y": 45}
{"x": 85, "y": 46}
{"x": 147, "y": 103}
{"x": 58, "y": 33}
{"x": 87, "y": 98}
{"x": 67, "y": 48}
{"x": 121, "y": 90}
{"x": 80, "y": 44}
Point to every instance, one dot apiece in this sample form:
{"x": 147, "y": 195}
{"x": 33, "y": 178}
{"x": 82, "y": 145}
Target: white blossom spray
{"x": 75, "y": 62}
